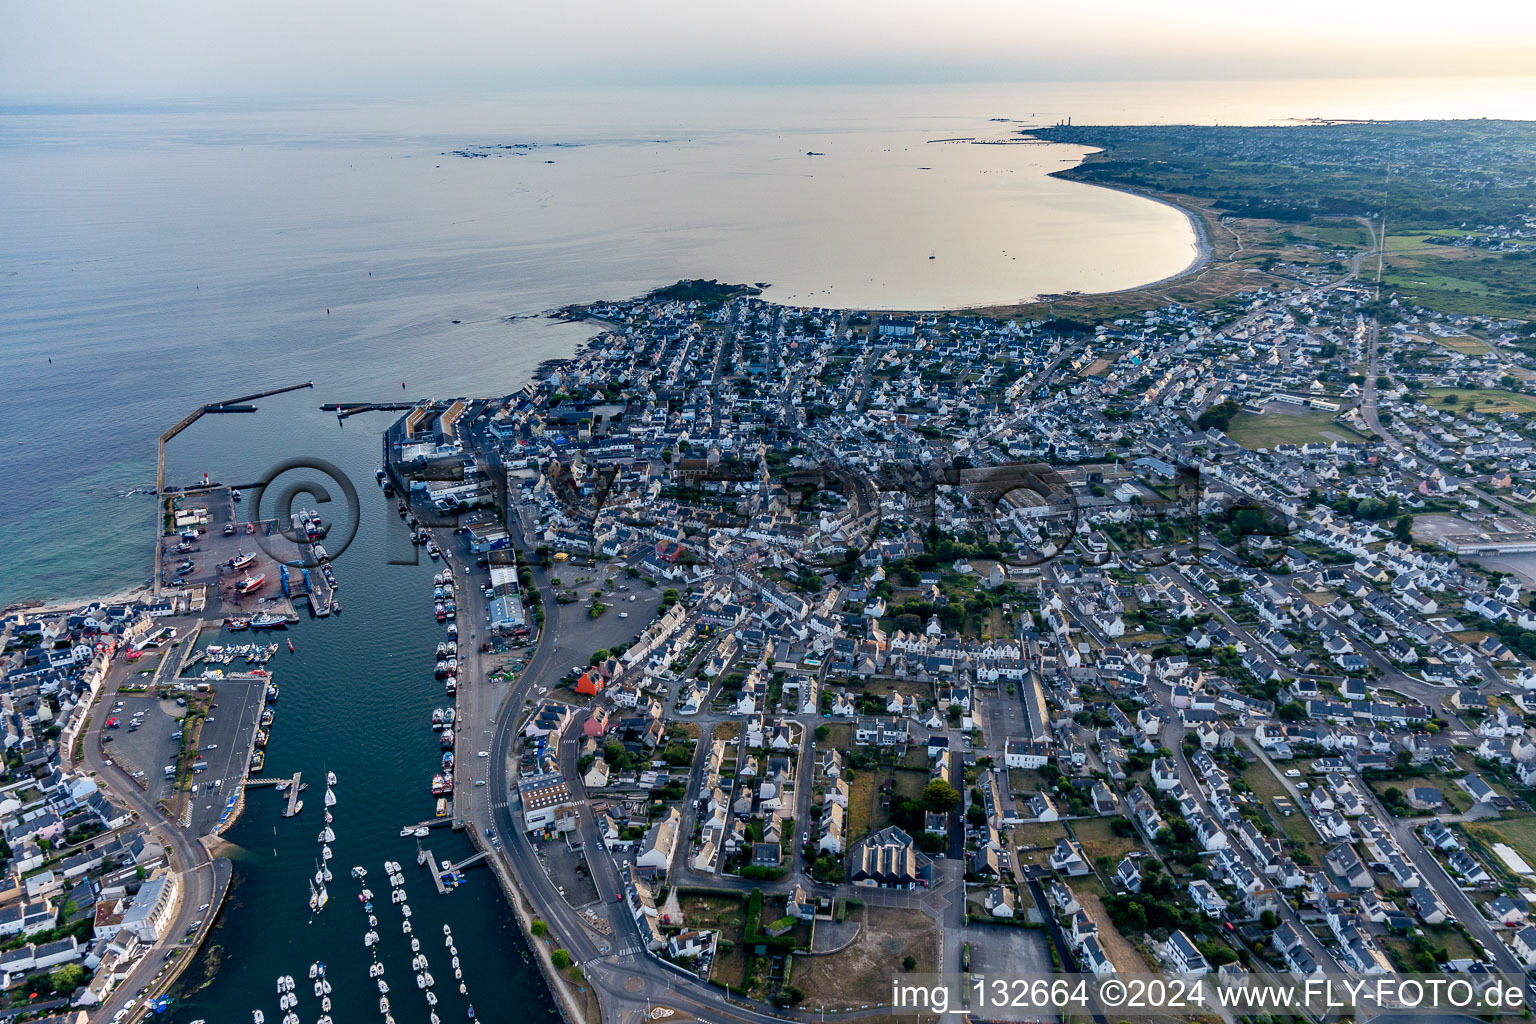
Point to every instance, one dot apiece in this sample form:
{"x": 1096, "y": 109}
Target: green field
{"x": 1484, "y": 400}
{"x": 1272, "y": 428}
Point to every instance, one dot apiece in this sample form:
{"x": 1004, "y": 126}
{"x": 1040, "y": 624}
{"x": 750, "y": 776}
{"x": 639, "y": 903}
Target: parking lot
{"x": 225, "y": 745}
{"x": 1009, "y": 951}
{"x": 583, "y": 635}
{"x": 142, "y": 740}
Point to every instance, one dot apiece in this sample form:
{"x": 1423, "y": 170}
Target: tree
{"x": 561, "y": 959}
{"x": 1292, "y": 711}
{"x": 1218, "y": 416}
{"x": 67, "y": 978}
{"x": 539, "y": 927}
{"x": 1403, "y": 529}
{"x": 909, "y": 963}
{"x": 822, "y": 732}
{"x": 1270, "y": 920}
{"x": 940, "y": 796}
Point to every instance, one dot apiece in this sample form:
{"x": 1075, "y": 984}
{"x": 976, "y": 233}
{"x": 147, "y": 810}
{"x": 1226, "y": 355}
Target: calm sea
{"x": 158, "y": 257}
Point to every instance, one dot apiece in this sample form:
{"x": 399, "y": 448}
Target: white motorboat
{"x": 415, "y": 945}
{"x": 257, "y": 1017}
{"x": 405, "y": 927}
{"x": 375, "y": 969}
{"x": 383, "y": 987}
{"x": 330, "y": 778}
{"x": 314, "y": 968}
{"x": 421, "y": 981}
{"x": 325, "y": 853}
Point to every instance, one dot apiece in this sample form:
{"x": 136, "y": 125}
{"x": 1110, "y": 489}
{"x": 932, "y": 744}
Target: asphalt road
{"x": 200, "y": 876}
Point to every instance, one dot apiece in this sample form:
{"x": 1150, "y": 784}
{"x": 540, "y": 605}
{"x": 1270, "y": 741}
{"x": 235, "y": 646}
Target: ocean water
{"x": 153, "y": 258}
{"x": 156, "y": 257}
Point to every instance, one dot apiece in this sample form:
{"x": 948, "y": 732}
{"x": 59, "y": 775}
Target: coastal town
{"x": 790, "y": 651}
{"x": 900, "y": 709}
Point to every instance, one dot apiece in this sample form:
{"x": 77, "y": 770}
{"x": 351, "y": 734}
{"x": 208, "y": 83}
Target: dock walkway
{"x": 293, "y": 796}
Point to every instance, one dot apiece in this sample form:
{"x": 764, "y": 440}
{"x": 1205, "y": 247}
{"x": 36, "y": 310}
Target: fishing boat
{"x": 437, "y": 719}
{"x": 441, "y": 669}
{"x": 258, "y": 761}
{"x": 442, "y": 807}
{"x": 272, "y": 693}
{"x": 237, "y": 625}
{"x": 441, "y": 612}
{"x": 446, "y": 740}
{"x": 267, "y": 717}
{"x": 451, "y": 686}
{"x": 453, "y": 666}
{"x": 453, "y": 631}
{"x": 244, "y": 560}
{"x": 267, "y": 620}
{"x": 250, "y": 583}
{"x": 448, "y": 716}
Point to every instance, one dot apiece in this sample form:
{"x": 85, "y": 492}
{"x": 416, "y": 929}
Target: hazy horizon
{"x": 79, "y": 51}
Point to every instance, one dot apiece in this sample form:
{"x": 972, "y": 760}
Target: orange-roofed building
{"x": 590, "y": 684}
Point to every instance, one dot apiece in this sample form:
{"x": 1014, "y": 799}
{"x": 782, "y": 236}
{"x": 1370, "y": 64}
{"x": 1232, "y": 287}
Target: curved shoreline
{"x": 1196, "y": 223}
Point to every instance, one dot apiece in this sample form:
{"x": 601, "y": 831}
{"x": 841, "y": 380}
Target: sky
{"x": 117, "y": 49}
